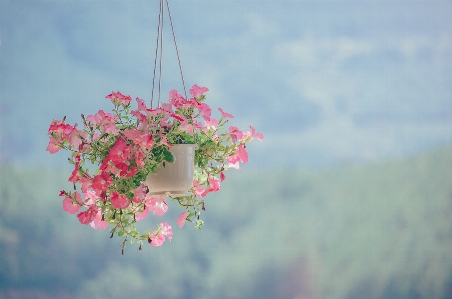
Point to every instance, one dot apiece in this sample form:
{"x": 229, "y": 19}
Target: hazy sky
{"x": 323, "y": 80}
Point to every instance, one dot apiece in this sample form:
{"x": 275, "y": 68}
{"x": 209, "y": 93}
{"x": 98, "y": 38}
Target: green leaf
{"x": 168, "y": 156}
{"x": 199, "y": 223}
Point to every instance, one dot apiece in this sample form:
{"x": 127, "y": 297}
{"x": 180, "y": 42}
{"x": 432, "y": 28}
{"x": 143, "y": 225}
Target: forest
{"x": 379, "y": 230}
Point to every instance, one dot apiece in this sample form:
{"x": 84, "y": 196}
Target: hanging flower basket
{"x": 125, "y": 162}
{"x": 176, "y": 178}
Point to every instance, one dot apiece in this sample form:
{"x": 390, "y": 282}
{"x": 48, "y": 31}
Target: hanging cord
{"x": 159, "y": 34}
{"x": 177, "y": 51}
{"x": 161, "y": 52}
{"x": 159, "y": 57}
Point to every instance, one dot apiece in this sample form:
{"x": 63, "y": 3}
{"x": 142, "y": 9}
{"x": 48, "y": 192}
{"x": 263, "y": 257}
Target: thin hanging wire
{"x": 161, "y": 52}
{"x": 177, "y": 50}
{"x": 158, "y": 56}
{"x": 159, "y": 33}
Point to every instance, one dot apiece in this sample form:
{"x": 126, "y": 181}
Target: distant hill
{"x": 356, "y": 231}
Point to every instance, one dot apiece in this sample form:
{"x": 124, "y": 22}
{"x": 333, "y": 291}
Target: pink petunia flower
{"x": 141, "y": 104}
{"x": 235, "y": 133}
{"x": 119, "y": 201}
{"x": 119, "y": 99}
{"x": 197, "y": 92}
{"x": 235, "y": 165}
{"x": 160, "y": 208}
{"x": 176, "y": 99}
{"x": 224, "y": 114}
{"x": 255, "y": 134}
{"x": 53, "y": 147}
{"x": 242, "y": 153}
{"x": 157, "y": 240}
{"x": 198, "y": 190}
{"x": 88, "y": 216}
{"x": 158, "y": 236}
{"x": 205, "y": 111}
{"x": 101, "y": 182}
{"x": 69, "y": 206}
{"x": 222, "y": 176}
{"x": 211, "y": 123}
{"x": 139, "y": 194}
{"x": 166, "y": 230}
{"x": 98, "y": 223}
{"x": 142, "y": 215}
{"x": 214, "y": 186}
{"x": 182, "y": 219}
{"x": 90, "y": 197}
{"x": 76, "y": 174}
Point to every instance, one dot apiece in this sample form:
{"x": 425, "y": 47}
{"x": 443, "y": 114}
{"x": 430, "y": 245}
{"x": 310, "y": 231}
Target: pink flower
{"x": 182, "y": 219}
{"x": 60, "y": 132}
{"x": 140, "y": 116}
{"x": 75, "y": 176}
{"x": 53, "y": 147}
{"x": 224, "y": 114}
{"x": 69, "y": 206}
{"x": 255, "y": 134}
{"x": 86, "y": 183}
{"x": 211, "y": 123}
{"x": 142, "y": 215}
{"x": 93, "y": 120}
{"x": 156, "y": 240}
{"x": 176, "y": 99}
{"x": 233, "y": 159}
{"x": 139, "y": 158}
{"x": 160, "y": 208}
{"x": 239, "y": 155}
{"x": 205, "y": 110}
{"x": 242, "y": 153}
{"x": 88, "y": 216}
{"x": 98, "y": 223}
{"x": 158, "y": 236}
{"x": 187, "y": 128}
{"x": 90, "y": 197}
{"x": 178, "y": 117}
{"x": 119, "y": 99}
{"x": 166, "y": 230}
{"x": 235, "y": 133}
{"x": 198, "y": 190}
{"x": 157, "y": 205}
{"x": 101, "y": 182}
{"x": 164, "y": 141}
{"x": 214, "y": 186}
{"x": 60, "y": 129}
{"x": 74, "y": 137}
{"x": 131, "y": 172}
{"x": 235, "y": 165}
{"x": 139, "y": 194}
{"x": 222, "y": 176}
{"x": 119, "y": 201}
{"x": 106, "y": 122}
{"x": 119, "y": 156}
{"x": 197, "y": 92}
{"x": 120, "y": 151}
{"x": 141, "y": 104}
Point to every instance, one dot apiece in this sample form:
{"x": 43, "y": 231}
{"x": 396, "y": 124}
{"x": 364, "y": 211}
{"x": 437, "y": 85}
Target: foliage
{"x": 126, "y": 146}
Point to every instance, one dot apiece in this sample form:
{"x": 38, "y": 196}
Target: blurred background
{"x": 348, "y": 196}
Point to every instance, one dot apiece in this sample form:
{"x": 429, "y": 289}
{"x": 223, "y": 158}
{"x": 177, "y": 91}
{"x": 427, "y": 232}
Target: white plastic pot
{"x": 175, "y": 178}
